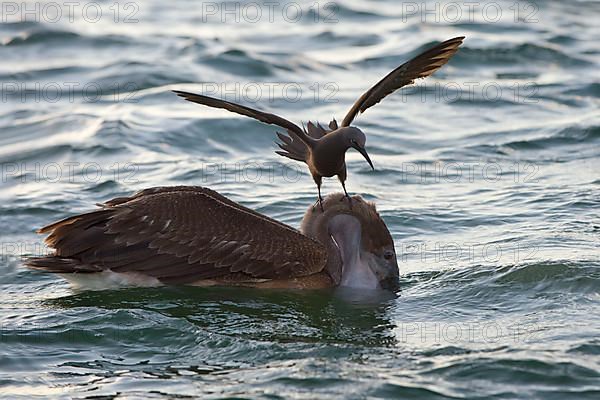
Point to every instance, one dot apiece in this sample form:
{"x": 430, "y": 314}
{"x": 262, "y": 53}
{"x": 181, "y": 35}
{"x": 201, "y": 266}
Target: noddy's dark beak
{"x": 362, "y": 151}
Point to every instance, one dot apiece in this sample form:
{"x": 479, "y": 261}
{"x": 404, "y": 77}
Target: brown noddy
{"x": 324, "y": 150}
{"x": 195, "y": 236}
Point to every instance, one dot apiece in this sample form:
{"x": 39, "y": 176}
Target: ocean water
{"x": 487, "y": 175}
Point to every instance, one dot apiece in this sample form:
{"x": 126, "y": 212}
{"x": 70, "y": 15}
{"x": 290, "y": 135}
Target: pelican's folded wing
{"x": 180, "y": 235}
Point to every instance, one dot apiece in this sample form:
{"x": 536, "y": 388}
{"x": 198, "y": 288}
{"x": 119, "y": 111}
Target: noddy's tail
{"x": 292, "y": 147}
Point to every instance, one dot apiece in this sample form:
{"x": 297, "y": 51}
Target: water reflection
{"x": 344, "y": 315}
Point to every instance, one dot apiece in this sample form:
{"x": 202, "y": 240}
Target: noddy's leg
{"x": 320, "y": 198}
{"x": 346, "y": 193}
{"x": 318, "y": 179}
{"x": 342, "y": 178}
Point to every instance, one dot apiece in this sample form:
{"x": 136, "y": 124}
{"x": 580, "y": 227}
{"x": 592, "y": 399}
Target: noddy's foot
{"x": 349, "y": 199}
{"x": 319, "y": 202}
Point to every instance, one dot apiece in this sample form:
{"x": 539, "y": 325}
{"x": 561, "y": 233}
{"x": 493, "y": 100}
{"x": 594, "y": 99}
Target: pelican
{"x": 324, "y": 150}
{"x": 192, "y": 235}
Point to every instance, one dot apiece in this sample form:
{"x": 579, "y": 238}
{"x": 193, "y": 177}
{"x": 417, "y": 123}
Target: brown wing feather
{"x": 243, "y": 110}
{"x": 180, "y": 235}
{"x": 420, "y": 66}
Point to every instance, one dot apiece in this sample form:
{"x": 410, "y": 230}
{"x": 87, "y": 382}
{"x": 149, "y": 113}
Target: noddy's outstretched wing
{"x": 180, "y": 235}
{"x": 246, "y": 111}
{"x": 421, "y": 66}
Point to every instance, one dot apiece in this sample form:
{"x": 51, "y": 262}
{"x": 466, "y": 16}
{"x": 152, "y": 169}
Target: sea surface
{"x": 487, "y": 175}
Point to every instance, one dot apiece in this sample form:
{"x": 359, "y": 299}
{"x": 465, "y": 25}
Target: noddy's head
{"x": 356, "y": 139}
{"x": 366, "y": 248}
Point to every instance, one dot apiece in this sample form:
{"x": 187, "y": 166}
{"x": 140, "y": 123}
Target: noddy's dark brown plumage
{"x": 194, "y": 235}
{"x": 324, "y": 149}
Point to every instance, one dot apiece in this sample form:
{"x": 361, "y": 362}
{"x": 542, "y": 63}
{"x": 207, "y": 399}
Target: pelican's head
{"x": 355, "y": 138}
{"x": 360, "y": 248}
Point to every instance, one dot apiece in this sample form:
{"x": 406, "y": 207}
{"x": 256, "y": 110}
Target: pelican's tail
{"x": 60, "y": 265}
